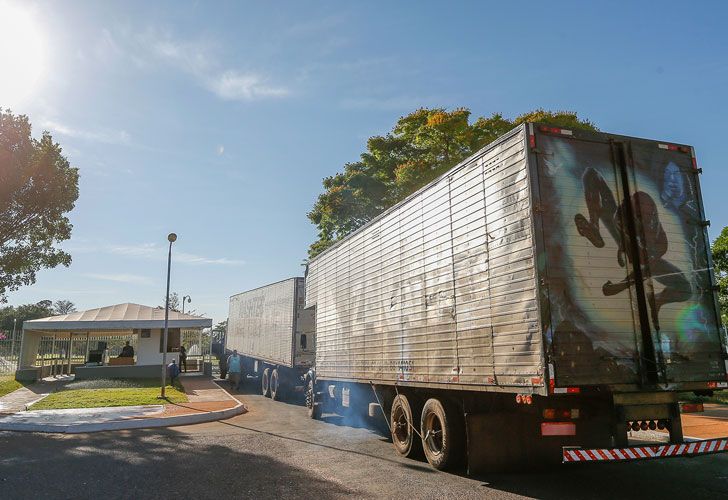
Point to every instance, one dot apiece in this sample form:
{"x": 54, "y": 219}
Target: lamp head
{"x": 172, "y": 237}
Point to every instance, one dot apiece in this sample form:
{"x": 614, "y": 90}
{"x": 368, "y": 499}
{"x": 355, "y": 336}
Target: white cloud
{"x": 199, "y": 59}
{"x": 121, "y": 278}
{"x": 104, "y": 136}
{"x": 151, "y": 251}
{"x": 189, "y": 258}
{"x": 220, "y": 150}
{"x": 233, "y": 85}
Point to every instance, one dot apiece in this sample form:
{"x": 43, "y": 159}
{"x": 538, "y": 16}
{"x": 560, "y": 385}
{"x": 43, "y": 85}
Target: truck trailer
{"x": 542, "y": 300}
{"x": 269, "y": 327}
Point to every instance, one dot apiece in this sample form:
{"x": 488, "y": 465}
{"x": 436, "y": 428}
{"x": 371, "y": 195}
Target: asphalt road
{"x": 275, "y": 451}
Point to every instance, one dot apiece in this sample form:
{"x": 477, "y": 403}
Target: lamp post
{"x": 189, "y": 300}
{"x": 171, "y": 238}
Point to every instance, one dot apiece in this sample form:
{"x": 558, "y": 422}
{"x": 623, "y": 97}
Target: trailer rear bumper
{"x": 706, "y": 447}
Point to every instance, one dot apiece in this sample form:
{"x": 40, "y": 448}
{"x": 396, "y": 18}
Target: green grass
{"x": 8, "y": 385}
{"x": 101, "y": 393}
{"x": 719, "y": 397}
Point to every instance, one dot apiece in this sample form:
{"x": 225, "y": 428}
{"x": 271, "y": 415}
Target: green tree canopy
{"x": 720, "y": 267}
{"x": 21, "y": 313}
{"x": 422, "y": 146}
{"x": 37, "y": 188}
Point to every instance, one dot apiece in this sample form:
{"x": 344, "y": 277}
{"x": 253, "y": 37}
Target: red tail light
{"x": 558, "y": 429}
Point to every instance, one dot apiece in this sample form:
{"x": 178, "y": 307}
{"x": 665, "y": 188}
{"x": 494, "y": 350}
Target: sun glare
{"x": 21, "y": 55}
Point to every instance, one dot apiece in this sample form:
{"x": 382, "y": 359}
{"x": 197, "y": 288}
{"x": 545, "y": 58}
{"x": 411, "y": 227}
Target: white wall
{"x": 148, "y": 350}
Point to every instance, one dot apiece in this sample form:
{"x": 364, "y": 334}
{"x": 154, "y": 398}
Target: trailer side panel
{"x": 439, "y": 289}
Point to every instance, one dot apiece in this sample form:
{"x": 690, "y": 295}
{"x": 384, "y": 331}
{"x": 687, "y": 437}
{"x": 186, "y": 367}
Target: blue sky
{"x": 218, "y": 120}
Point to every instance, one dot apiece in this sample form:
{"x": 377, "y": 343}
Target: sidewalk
{"x": 207, "y": 402}
{"x": 20, "y": 399}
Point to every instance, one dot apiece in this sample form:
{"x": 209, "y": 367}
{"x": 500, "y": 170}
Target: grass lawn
{"x": 100, "y": 393}
{"x": 8, "y": 385}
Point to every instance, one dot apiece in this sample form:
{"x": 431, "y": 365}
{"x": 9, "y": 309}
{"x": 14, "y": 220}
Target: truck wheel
{"x": 402, "y": 426}
{"x": 265, "y": 383}
{"x": 442, "y": 434}
{"x": 275, "y": 387}
{"x": 314, "y": 407}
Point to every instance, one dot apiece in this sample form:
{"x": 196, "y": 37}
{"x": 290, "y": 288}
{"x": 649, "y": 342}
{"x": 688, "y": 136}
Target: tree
{"x": 173, "y": 302}
{"x": 422, "y": 146}
{"x": 63, "y": 307}
{"x": 37, "y": 188}
{"x": 219, "y": 331}
{"x": 25, "y": 312}
{"x": 720, "y": 268}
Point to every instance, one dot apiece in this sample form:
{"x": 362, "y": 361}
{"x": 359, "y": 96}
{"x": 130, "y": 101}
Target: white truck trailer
{"x": 269, "y": 327}
{"x": 541, "y": 300}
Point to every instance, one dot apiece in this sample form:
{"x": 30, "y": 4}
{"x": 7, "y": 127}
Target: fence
{"x": 9, "y": 353}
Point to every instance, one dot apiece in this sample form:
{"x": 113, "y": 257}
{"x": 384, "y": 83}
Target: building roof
{"x": 117, "y": 317}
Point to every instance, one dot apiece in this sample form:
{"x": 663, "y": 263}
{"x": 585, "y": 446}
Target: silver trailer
{"x": 553, "y": 290}
{"x": 275, "y": 335}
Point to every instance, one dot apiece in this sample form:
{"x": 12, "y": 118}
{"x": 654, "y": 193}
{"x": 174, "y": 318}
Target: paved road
{"x": 275, "y": 451}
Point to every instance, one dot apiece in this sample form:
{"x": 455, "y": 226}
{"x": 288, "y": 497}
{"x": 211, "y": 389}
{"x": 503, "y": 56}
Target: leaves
{"x": 720, "y": 268}
{"x": 37, "y": 188}
{"x": 422, "y": 146}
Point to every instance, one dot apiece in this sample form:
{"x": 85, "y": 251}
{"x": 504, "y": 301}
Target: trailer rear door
{"x": 628, "y": 282}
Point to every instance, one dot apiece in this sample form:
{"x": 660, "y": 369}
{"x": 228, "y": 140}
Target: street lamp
{"x": 171, "y": 238}
{"x": 189, "y": 300}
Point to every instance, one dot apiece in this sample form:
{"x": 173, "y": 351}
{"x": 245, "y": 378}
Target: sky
{"x": 218, "y": 120}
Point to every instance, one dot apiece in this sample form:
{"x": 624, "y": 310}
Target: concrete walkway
{"x": 207, "y": 402}
{"x": 20, "y": 399}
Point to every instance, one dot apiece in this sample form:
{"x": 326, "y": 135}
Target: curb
{"x": 137, "y": 423}
{"x": 133, "y": 423}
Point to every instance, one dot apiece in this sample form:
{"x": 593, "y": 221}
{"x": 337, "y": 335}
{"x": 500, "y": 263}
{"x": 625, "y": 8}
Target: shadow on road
{"x": 150, "y": 463}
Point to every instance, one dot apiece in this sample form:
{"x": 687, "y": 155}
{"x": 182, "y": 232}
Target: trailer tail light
{"x": 525, "y": 399}
{"x": 691, "y": 407}
{"x": 558, "y": 429}
{"x": 565, "y": 390}
{"x": 554, "y": 413}
{"x": 531, "y": 136}
{"x": 674, "y": 147}
{"x": 555, "y": 130}
{"x": 717, "y": 385}
{"x": 561, "y": 390}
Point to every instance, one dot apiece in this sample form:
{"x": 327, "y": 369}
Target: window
{"x": 303, "y": 341}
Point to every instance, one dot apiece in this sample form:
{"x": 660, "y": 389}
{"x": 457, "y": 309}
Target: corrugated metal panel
{"x": 261, "y": 322}
{"x": 441, "y": 288}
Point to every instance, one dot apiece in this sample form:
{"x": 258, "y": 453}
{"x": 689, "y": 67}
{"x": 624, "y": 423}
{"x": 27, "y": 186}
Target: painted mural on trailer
{"x": 604, "y": 244}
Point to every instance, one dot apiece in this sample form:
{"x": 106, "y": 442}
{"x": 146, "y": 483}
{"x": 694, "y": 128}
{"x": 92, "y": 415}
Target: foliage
{"x": 720, "y": 267}
{"x": 25, "y": 312}
{"x": 219, "y": 331}
{"x": 37, "y": 188}
{"x": 422, "y": 146}
{"x": 8, "y": 385}
{"x": 63, "y": 307}
{"x": 104, "y": 393}
{"x": 174, "y": 302}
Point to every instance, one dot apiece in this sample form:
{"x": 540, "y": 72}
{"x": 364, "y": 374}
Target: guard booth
{"x": 89, "y": 343}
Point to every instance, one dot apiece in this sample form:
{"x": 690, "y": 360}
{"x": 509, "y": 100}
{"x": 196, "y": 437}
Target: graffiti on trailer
{"x": 604, "y": 242}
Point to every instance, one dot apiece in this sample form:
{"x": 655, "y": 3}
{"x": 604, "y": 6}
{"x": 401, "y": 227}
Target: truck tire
{"x": 265, "y": 383}
{"x": 314, "y": 407}
{"x": 443, "y": 436}
{"x": 276, "y": 390}
{"x": 402, "y": 426}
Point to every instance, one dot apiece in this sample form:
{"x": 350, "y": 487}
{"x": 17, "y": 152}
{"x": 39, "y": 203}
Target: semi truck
{"x": 544, "y": 299}
{"x": 269, "y": 327}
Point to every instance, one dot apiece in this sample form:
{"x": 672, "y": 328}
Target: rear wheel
{"x": 265, "y": 383}
{"x": 402, "y": 426}
{"x": 275, "y": 388}
{"x": 443, "y": 436}
{"x": 314, "y": 407}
